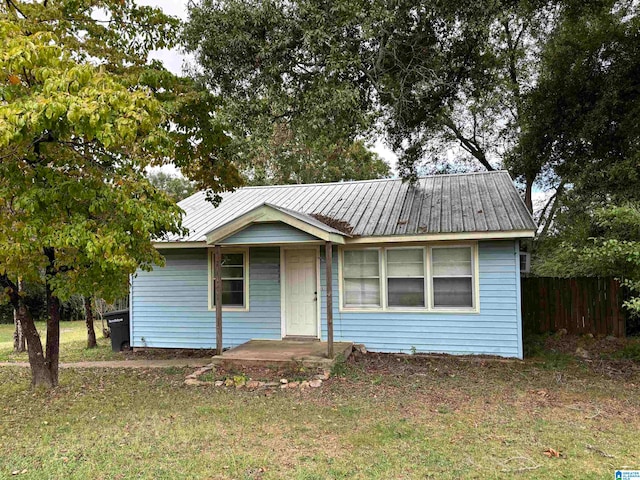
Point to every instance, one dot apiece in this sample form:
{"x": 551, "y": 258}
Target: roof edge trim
{"x": 439, "y": 237}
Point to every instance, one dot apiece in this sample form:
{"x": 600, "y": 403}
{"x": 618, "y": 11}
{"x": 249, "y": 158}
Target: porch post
{"x": 329, "y": 261}
{"x": 217, "y": 271}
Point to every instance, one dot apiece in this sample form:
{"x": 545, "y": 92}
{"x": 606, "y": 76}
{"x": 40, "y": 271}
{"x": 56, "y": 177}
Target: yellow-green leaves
{"x": 74, "y": 140}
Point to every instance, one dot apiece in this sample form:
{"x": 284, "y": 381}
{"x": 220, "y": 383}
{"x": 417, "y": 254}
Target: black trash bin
{"x": 118, "y": 322}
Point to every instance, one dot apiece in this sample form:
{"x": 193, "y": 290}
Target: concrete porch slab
{"x": 281, "y": 352}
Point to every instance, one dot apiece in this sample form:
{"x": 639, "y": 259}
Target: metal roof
{"x": 460, "y": 203}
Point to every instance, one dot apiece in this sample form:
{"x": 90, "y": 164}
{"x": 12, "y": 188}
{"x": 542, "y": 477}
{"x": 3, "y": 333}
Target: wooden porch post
{"x": 217, "y": 271}
{"x": 329, "y": 261}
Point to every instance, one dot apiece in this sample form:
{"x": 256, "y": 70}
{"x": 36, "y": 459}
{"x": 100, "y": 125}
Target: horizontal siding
{"x": 268, "y": 233}
{"x": 170, "y": 309}
{"x": 170, "y": 303}
{"x": 493, "y": 331}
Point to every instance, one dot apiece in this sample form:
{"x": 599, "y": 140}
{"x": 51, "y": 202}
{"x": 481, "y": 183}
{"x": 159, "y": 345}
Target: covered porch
{"x": 306, "y": 253}
{"x": 311, "y": 354}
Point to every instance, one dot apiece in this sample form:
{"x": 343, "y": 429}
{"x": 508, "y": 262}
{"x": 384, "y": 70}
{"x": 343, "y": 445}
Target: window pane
{"x": 451, "y": 261}
{"x": 452, "y": 292}
{"x": 405, "y": 262}
{"x": 232, "y": 293}
{"x": 406, "y": 292}
{"x": 232, "y": 299}
{"x": 361, "y": 263}
{"x": 232, "y": 272}
{"x": 365, "y": 291}
{"x": 362, "y": 270}
{"x": 232, "y": 259}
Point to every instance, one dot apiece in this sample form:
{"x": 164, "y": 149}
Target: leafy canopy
{"x": 73, "y": 142}
{"x": 582, "y": 120}
{"x": 431, "y": 75}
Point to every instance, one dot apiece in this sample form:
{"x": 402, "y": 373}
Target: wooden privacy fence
{"x": 579, "y": 305}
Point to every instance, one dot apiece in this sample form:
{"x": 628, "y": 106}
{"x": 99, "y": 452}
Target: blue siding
{"x": 496, "y": 330}
{"x": 170, "y": 309}
{"x": 269, "y": 233}
{"x": 169, "y": 304}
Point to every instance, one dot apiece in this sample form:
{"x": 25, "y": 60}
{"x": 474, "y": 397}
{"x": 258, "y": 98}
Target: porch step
{"x": 311, "y": 354}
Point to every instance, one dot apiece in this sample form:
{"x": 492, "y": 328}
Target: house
{"x": 429, "y": 267}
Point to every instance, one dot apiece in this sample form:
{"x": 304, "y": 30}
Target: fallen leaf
{"x": 550, "y": 452}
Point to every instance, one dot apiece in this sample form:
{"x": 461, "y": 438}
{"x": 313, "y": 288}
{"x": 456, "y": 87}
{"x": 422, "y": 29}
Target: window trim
{"x": 211, "y": 304}
{"x": 428, "y": 308}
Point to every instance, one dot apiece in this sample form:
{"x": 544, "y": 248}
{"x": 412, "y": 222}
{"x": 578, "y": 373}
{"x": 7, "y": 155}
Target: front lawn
{"x": 73, "y": 343}
{"x": 388, "y": 417}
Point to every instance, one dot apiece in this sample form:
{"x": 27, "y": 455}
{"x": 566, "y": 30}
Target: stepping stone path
{"x": 193, "y": 380}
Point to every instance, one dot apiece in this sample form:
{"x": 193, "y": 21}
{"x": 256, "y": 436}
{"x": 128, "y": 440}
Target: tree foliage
{"x": 432, "y": 75}
{"x": 176, "y": 186}
{"x": 582, "y": 121}
{"x": 82, "y": 115}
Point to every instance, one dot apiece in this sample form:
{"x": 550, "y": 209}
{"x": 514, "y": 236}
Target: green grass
{"x": 425, "y": 418}
{"x": 73, "y": 344}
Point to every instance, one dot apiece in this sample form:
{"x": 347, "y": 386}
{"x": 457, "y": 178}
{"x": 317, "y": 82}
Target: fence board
{"x": 579, "y": 305}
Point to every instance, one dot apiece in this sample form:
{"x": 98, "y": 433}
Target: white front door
{"x": 300, "y": 295}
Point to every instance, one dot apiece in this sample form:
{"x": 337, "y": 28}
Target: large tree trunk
{"x": 91, "y": 332}
{"x": 18, "y": 314}
{"x": 40, "y": 372}
{"x": 53, "y": 335}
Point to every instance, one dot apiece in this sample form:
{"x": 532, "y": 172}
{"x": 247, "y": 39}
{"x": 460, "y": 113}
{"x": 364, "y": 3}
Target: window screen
{"x": 361, "y": 278}
{"x": 405, "y": 277}
{"x": 452, "y": 273}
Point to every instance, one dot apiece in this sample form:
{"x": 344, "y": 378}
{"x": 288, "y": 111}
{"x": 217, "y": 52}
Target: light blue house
{"x": 429, "y": 267}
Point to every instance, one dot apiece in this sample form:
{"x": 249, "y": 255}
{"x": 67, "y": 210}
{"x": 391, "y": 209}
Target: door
{"x": 300, "y": 295}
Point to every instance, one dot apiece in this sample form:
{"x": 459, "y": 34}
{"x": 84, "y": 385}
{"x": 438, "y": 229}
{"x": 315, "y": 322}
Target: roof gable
{"x": 266, "y": 213}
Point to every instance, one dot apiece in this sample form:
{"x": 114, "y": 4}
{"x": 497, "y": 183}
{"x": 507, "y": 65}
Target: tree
{"x": 582, "y": 124}
{"x": 91, "y": 331}
{"x": 285, "y": 161}
{"x": 19, "y": 343}
{"x": 434, "y": 74}
{"x": 177, "y": 187}
{"x": 82, "y": 115}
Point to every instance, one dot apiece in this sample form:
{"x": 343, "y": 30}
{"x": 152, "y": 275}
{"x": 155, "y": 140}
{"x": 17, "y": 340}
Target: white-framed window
{"x": 452, "y": 277}
{"x": 439, "y": 277}
{"x": 235, "y": 273}
{"x": 361, "y": 278}
{"x": 525, "y": 262}
{"x": 406, "y": 275}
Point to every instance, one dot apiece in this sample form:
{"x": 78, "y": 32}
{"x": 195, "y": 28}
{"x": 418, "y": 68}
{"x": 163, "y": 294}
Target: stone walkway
{"x": 172, "y": 362}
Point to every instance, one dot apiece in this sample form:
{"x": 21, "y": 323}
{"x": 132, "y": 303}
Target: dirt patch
{"x": 166, "y": 354}
{"x": 599, "y": 346}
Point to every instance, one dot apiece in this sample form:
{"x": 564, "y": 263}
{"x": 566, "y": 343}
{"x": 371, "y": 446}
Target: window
{"x": 361, "y": 278}
{"x": 233, "y": 279}
{"x": 525, "y": 262}
{"x": 405, "y": 277}
{"x": 410, "y": 278}
{"x": 452, "y": 277}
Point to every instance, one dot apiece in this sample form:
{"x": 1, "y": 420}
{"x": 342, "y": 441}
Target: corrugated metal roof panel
{"x": 474, "y": 202}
